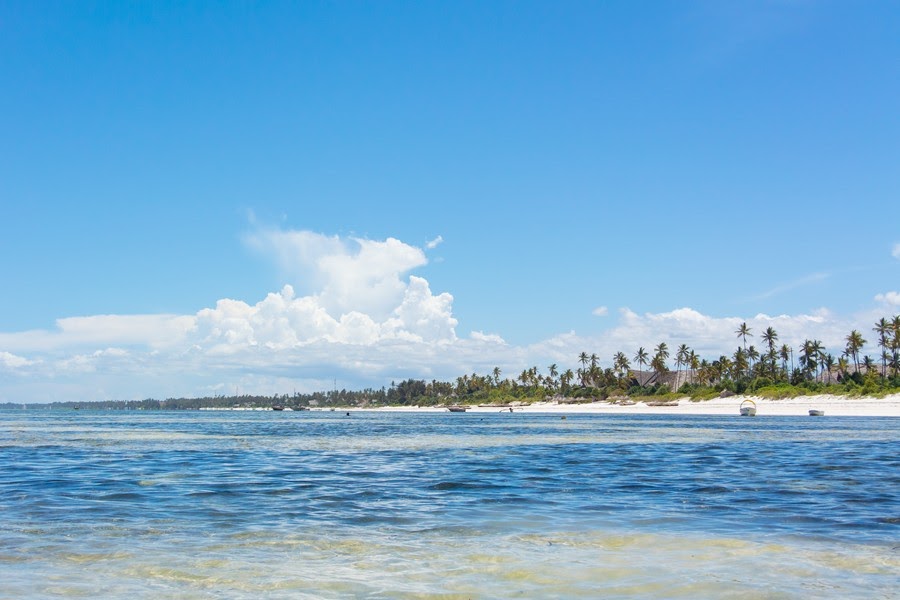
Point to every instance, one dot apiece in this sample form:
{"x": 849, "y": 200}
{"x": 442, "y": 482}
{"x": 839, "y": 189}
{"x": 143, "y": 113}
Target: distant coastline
{"x": 772, "y": 375}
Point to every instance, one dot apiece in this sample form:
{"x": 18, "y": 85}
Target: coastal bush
{"x": 759, "y": 383}
{"x": 781, "y": 391}
{"x": 640, "y": 390}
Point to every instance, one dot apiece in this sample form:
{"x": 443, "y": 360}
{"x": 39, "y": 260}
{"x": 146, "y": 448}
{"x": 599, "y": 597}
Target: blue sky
{"x": 589, "y": 175}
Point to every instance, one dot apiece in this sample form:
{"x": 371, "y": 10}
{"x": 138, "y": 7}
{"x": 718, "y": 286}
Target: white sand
{"x": 832, "y": 405}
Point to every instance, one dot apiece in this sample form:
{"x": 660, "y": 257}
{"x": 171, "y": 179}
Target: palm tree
{"x": 565, "y": 379}
{"x": 642, "y": 359}
{"x": 770, "y": 337}
{"x": 895, "y": 363}
{"x": 827, "y": 362}
{"x": 743, "y": 332}
{"x": 662, "y": 350}
{"x": 785, "y": 353}
{"x": 855, "y": 342}
{"x": 882, "y": 327}
{"x": 621, "y": 364}
{"x": 818, "y": 355}
{"x": 726, "y": 367}
{"x": 740, "y": 362}
{"x": 704, "y": 371}
{"x": 658, "y": 364}
{"x": 895, "y": 344}
{"x": 843, "y": 366}
{"x": 496, "y": 373}
{"x": 583, "y": 359}
{"x": 895, "y": 327}
{"x": 753, "y": 355}
{"x": 868, "y": 363}
{"x": 807, "y": 358}
{"x": 525, "y": 377}
{"x": 694, "y": 362}
{"x": 534, "y": 377}
{"x": 681, "y": 358}
{"x": 551, "y": 378}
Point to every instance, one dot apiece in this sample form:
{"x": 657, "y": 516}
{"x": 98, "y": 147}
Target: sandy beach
{"x": 834, "y": 406}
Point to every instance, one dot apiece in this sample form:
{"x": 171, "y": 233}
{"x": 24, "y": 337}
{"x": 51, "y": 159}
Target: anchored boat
{"x": 748, "y": 408}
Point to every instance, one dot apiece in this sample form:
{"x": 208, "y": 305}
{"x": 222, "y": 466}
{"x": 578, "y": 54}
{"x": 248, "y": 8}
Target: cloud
{"x": 889, "y": 298}
{"x": 151, "y": 330}
{"x": 785, "y": 287}
{"x": 364, "y": 321}
{"x": 287, "y": 342}
{"x": 488, "y": 338}
{"x": 896, "y": 251}
{"x": 11, "y": 361}
{"x": 348, "y": 275}
{"x": 154, "y": 331}
{"x": 88, "y": 363}
{"x": 282, "y": 321}
{"x": 431, "y": 245}
{"x": 600, "y": 311}
{"x": 709, "y": 336}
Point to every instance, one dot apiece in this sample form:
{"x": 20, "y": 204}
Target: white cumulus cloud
{"x": 347, "y": 274}
{"x": 889, "y": 298}
{"x": 896, "y": 251}
{"x": 600, "y": 311}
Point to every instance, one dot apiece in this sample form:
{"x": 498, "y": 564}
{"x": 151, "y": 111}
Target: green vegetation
{"x": 769, "y": 373}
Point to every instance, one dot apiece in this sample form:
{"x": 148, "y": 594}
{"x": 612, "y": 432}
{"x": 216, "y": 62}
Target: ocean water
{"x": 440, "y": 505}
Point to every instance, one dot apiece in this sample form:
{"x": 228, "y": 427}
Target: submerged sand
{"x": 836, "y": 406}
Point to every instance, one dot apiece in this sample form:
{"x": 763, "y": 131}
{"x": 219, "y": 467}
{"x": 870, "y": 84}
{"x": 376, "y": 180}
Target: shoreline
{"x": 837, "y": 406}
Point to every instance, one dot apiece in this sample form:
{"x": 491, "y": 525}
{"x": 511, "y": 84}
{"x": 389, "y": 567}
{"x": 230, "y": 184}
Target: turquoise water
{"x": 475, "y": 505}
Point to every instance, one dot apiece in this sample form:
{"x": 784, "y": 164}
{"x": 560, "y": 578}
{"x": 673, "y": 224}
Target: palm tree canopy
{"x": 744, "y": 332}
{"x": 641, "y": 357}
{"x": 770, "y": 337}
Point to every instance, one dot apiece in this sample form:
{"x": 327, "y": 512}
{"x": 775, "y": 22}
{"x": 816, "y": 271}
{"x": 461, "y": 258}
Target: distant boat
{"x": 748, "y": 408}
{"x": 813, "y": 412}
{"x": 277, "y": 407}
{"x": 457, "y": 408}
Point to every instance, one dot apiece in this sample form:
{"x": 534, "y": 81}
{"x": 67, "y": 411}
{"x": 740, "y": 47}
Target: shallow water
{"x": 398, "y": 505}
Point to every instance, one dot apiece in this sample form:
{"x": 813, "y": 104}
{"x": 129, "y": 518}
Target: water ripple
{"x": 195, "y": 503}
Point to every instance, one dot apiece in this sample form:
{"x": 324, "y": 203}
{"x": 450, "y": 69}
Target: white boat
{"x": 748, "y": 408}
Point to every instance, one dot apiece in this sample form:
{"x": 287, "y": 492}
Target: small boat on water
{"x": 813, "y": 412}
{"x": 748, "y": 408}
{"x": 277, "y": 407}
{"x": 457, "y": 408}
